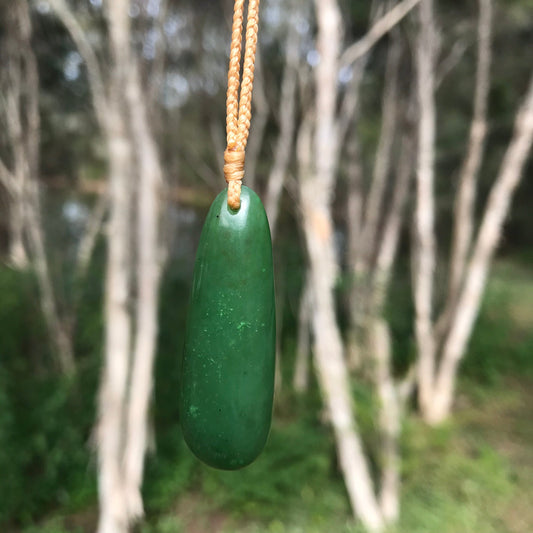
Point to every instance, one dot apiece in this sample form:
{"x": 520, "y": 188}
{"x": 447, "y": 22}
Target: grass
{"x": 472, "y": 475}
{"x": 502, "y": 341}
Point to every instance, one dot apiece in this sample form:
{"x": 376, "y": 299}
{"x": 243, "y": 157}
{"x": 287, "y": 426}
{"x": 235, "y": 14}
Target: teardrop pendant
{"x": 227, "y": 378}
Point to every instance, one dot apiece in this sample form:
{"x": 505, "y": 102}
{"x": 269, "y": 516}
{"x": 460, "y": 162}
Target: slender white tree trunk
{"x": 316, "y": 184}
{"x": 463, "y": 220}
{"x": 23, "y": 130}
{"x": 257, "y": 131}
{"x": 18, "y": 256}
{"x": 379, "y": 341}
{"x": 393, "y": 222}
{"x": 389, "y": 419}
{"x": 126, "y": 117}
{"x": 330, "y": 364}
{"x": 12, "y": 184}
{"x": 148, "y": 277}
{"x": 382, "y": 161}
{"x": 354, "y": 206}
{"x": 380, "y": 27}
{"x": 113, "y": 389}
{"x": 467, "y": 277}
{"x": 90, "y": 235}
{"x": 60, "y": 337}
{"x": 363, "y": 242}
{"x": 284, "y": 143}
{"x": 477, "y": 270}
{"x": 112, "y": 404}
{"x": 424, "y": 237}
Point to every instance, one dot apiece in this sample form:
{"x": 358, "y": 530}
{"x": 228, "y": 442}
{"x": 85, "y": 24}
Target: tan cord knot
{"x": 239, "y": 108}
{"x": 234, "y": 173}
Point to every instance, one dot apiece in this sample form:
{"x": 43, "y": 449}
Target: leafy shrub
{"x": 45, "y": 420}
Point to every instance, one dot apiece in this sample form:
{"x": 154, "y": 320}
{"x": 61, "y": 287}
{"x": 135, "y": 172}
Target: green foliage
{"x": 453, "y": 482}
{"x": 169, "y": 473}
{"x": 53, "y": 526}
{"x": 455, "y": 478}
{"x": 45, "y": 421}
{"x": 502, "y": 341}
{"x": 267, "y": 487}
{"x": 169, "y": 470}
{"x": 165, "y": 524}
{"x": 400, "y": 317}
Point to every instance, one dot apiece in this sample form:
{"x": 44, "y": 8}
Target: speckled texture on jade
{"x": 227, "y": 377}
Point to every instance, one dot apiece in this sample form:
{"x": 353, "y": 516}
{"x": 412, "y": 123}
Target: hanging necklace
{"x": 227, "y": 378}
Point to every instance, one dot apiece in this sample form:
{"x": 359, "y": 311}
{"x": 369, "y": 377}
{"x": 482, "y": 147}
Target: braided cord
{"x": 239, "y": 109}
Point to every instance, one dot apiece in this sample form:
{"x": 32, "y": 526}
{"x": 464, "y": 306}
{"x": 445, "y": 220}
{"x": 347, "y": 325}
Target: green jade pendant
{"x": 227, "y": 378}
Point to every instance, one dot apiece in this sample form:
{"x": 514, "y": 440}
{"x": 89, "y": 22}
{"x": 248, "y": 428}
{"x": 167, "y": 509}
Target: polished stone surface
{"x": 227, "y": 377}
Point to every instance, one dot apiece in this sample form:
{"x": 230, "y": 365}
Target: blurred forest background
{"x": 390, "y": 144}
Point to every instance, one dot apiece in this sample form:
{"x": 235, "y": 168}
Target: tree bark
{"x": 257, "y": 132}
{"x": 389, "y": 419}
{"x": 284, "y": 144}
{"x": 363, "y": 242}
{"x": 113, "y": 509}
{"x": 354, "y": 230}
{"x": 477, "y": 271}
{"x": 393, "y": 222}
{"x": 382, "y": 162}
{"x": 354, "y": 205}
{"x": 124, "y": 113}
{"x": 316, "y": 184}
{"x": 90, "y": 235}
{"x": 464, "y": 209}
{"x": 330, "y": 364}
{"x": 148, "y": 277}
{"x": 23, "y": 130}
{"x": 424, "y": 238}
{"x": 114, "y": 516}
{"x": 379, "y": 28}
{"x": 378, "y": 340}
{"x": 94, "y": 74}
{"x": 18, "y": 256}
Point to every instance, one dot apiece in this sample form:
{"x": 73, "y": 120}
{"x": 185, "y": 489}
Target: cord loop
{"x": 239, "y": 108}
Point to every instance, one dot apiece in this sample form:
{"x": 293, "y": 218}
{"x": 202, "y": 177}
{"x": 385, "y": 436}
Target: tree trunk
{"x": 284, "y": 144}
{"x": 23, "y": 130}
{"x": 57, "y": 330}
{"x": 389, "y": 419}
{"x": 477, "y": 271}
{"x": 355, "y": 202}
{"x": 90, "y": 236}
{"x": 126, "y": 117}
{"x": 379, "y": 342}
{"x": 257, "y": 132}
{"x": 148, "y": 276}
{"x": 18, "y": 256}
{"x": 382, "y": 162}
{"x": 330, "y": 364}
{"x": 317, "y": 152}
{"x": 424, "y": 238}
{"x": 393, "y": 222}
{"x": 112, "y": 404}
{"x": 463, "y": 220}
{"x": 363, "y": 237}
{"x": 113, "y": 389}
